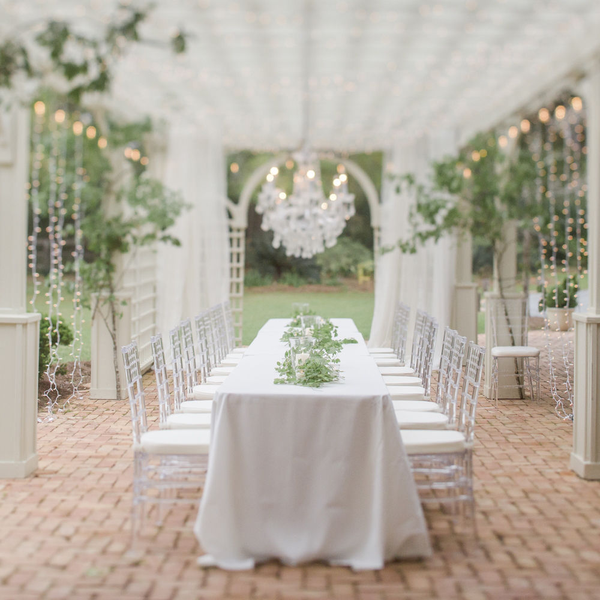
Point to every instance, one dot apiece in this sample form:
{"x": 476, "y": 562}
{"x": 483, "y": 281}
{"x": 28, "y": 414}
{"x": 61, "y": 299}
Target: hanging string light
{"x": 56, "y": 217}
{"x": 558, "y": 147}
{"x": 39, "y": 109}
{"x": 77, "y": 318}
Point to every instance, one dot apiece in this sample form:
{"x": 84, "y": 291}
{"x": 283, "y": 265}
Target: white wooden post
{"x": 464, "y": 306}
{"x": 103, "y": 383}
{"x": 505, "y": 278}
{"x": 19, "y": 330}
{"x": 237, "y": 262}
{"x": 585, "y": 458}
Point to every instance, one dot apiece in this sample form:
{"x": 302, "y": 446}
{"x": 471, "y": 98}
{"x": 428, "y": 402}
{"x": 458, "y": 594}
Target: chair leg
{"x": 530, "y": 377}
{"x": 495, "y": 382}
{"x": 539, "y": 391}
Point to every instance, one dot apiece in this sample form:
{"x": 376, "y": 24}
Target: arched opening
{"x": 238, "y": 220}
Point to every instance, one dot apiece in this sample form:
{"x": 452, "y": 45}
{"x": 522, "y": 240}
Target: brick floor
{"x": 64, "y": 532}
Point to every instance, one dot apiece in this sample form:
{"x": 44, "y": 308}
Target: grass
{"x": 259, "y": 307}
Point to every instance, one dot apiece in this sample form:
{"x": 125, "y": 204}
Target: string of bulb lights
{"x": 560, "y": 139}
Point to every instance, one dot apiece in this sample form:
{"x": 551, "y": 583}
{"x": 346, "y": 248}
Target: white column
{"x": 103, "y": 384}
{"x": 505, "y": 279}
{"x": 464, "y": 308}
{"x": 585, "y": 458}
{"x": 19, "y": 330}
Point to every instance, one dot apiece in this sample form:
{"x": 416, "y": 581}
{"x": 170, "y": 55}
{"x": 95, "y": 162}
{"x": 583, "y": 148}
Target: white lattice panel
{"x": 139, "y": 282}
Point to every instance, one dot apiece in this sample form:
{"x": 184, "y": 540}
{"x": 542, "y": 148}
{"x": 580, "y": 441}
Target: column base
{"x": 19, "y": 349}
{"x": 585, "y": 470}
{"x": 585, "y": 459}
{"x": 18, "y": 469}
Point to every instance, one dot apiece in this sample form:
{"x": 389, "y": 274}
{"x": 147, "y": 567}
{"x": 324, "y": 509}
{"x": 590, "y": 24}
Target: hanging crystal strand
{"x": 38, "y": 158}
{"x": 53, "y": 273}
{"x": 77, "y": 322}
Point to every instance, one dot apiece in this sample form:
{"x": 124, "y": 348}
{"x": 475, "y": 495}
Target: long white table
{"x": 303, "y": 474}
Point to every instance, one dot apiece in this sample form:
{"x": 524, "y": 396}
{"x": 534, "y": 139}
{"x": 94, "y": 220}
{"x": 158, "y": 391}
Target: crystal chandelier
{"x": 306, "y": 222}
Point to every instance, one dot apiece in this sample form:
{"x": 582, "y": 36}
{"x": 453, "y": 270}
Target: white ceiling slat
{"x": 378, "y": 68}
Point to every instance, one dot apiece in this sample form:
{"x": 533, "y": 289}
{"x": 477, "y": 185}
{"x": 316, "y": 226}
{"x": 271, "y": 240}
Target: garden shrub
{"x": 254, "y": 278}
{"x": 343, "y": 259}
{"x": 66, "y": 338}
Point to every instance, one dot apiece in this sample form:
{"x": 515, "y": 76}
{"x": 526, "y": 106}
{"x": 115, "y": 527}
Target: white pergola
{"x": 382, "y": 75}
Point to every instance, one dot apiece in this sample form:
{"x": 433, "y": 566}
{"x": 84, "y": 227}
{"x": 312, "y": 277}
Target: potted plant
{"x": 560, "y": 302}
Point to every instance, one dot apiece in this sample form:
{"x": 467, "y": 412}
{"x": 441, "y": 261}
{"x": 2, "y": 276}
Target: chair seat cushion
{"x": 196, "y": 406}
{"x": 204, "y": 392}
{"x": 396, "y": 370}
{"x": 180, "y": 441}
{"x": 239, "y": 350}
{"x": 418, "y": 405}
{"x": 235, "y": 356}
{"x": 402, "y": 380}
{"x": 387, "y": 362}
{"x": 189, "y": 421}
{"x": 381, "y": 350}
{"x": 409, "y": 419}
{"x": 230, "y": 362}
{"x": 390, "y": 355}
{"x": 406, "y": 392}
{"x": 423, "y": 441}
{"x": 222, "y": 371}
{"x": 216, "y": 379}
{"x": 515, "y": 351}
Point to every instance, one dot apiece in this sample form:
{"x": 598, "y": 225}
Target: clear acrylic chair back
{"x": 470, "y": 390}
{"x": 189, "y": 355}
{"x": 179, "y": 370}
{"x": 162, "y": 378}
{"x": 444, "y": 370}
{"x": 203, "y": 334}
{"x": 430, "y": 338}
{"x": 416, "y": 340}
{"x": 457, "y": 356}
{"x": 135, "y": 391}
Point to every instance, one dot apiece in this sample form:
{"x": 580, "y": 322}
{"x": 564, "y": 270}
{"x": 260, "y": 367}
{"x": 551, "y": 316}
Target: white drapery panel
{"x": 423, "y": 280}
{"x": 195, "y": 275}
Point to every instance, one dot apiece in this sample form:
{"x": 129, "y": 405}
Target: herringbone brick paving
{"x": 64, "y": 532}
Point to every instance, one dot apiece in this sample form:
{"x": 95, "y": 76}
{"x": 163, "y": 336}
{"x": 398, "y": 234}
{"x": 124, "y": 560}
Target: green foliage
{"x": 57, "y": 335}
{"x": 318, "y": 370}
{"x": 292, "y": 278}
{"x": 342, "y": 260}
{"x": 151, "y": 209}
{"x": 477, "y": 192}
{"x": 253, "y": 278}
{"x": 84, "y": 62}
{"x": 562, "y": 295}
{"x": 321, "y": 366}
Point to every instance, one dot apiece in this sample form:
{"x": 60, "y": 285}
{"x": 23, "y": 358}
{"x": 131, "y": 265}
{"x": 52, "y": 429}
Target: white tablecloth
{"x": 302, "y": 474}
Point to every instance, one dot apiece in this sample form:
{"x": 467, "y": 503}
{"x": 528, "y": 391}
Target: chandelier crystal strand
{"x": 77, "y": 320}
{"x": 34, "y": 195}
{"x": 306, "y": 222}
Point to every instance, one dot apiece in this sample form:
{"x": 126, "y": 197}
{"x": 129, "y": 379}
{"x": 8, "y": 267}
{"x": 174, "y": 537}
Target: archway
{"x": 238, "y": 223}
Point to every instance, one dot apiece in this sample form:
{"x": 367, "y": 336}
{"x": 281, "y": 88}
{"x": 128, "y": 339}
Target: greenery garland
{"x": 321, "y": 366}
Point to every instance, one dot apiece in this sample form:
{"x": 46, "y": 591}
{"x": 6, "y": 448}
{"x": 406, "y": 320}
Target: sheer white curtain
{"x": 422, "y": 280}
{"x": 195, "y": 275}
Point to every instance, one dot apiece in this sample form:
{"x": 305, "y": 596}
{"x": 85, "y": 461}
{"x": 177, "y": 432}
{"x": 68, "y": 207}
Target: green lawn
{"x": 259, "y": 307}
